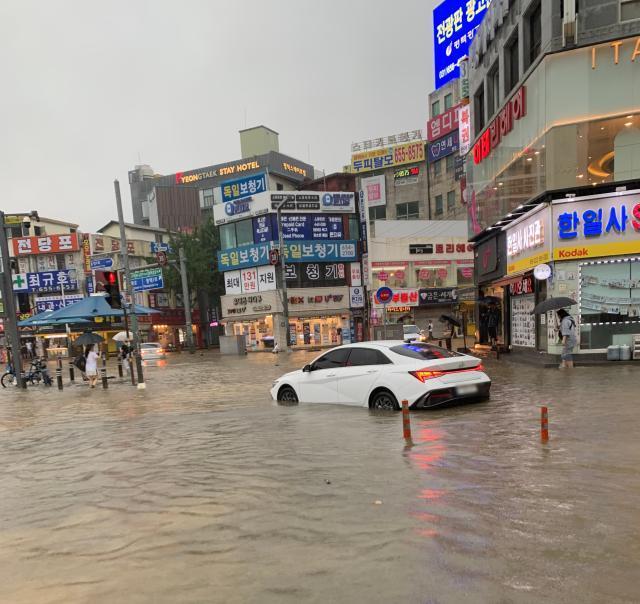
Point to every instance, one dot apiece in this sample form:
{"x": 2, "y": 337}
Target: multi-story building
{"x": 446, "y": 166}
{"x": 322, "y": 268}
{"x": 555, "y": 113}
{"x": 179, "y": 201}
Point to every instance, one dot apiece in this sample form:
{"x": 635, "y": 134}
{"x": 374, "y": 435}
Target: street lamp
{"x": 285, "y": 298}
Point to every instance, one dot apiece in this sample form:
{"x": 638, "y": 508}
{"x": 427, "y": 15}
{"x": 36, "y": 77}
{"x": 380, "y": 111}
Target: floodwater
{"x": 200, "y": 489}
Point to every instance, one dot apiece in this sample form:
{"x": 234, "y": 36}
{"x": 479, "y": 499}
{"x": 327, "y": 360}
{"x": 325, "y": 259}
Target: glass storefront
{"x": 582, "y": 127}
{"x": 307, "y": 332}
{"x": 425, "y": 274}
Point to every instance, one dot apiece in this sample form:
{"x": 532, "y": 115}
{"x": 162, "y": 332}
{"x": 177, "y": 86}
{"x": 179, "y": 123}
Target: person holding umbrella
{"x": 91, "y": 365}
{"x": 568, "y": 337}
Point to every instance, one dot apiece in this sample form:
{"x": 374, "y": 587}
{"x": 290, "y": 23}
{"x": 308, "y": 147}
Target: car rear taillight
{"x": 479, "y": 367}
{"x": 426, "y": 374}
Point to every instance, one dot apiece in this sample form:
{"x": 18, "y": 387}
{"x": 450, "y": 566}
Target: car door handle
{"x": 372, "y": 371}
{"x": 331, "y": 375}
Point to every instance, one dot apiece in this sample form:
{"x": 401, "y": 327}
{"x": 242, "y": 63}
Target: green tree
{"x": 200, "y": 248}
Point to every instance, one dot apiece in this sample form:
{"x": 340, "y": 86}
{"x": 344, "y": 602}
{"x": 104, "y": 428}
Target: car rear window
{"x": 423, "y": 351}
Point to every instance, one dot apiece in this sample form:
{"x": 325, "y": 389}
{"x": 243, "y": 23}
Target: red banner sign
{"x": 443, "y": 124}
{"x": 515, "y": 109}
{"x": 47, "y": 244}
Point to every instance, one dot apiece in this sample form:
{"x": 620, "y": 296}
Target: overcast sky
{"x": 90, "y": 89}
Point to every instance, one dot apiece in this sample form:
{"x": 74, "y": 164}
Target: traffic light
{"x": 107, "y": 281}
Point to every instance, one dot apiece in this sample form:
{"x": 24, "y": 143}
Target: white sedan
{"x": 152, "y": 351}
{"x": 380, "y": 375}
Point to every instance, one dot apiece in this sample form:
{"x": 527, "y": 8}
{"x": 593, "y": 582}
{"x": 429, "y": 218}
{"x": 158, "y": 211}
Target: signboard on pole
{"x": 101, "y": 263}
{"x": 147, "y": 279}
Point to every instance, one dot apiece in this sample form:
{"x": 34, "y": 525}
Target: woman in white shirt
{"x": 91, "y": 370}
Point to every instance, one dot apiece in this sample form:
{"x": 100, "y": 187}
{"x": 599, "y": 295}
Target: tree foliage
{"x": 200, "y": 248}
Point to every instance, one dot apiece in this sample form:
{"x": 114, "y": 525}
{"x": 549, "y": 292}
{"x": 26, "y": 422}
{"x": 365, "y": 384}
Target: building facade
{"x": 555, "y": 97}
{"x": 181, "y": 200}
{"x": 322, "y": 269}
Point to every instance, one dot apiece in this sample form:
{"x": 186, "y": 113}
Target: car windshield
{"x": 423, "y": 351}
{"x": 407, "y": 329}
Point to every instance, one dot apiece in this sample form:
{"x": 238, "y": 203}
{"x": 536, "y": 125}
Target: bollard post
{"x": 544, "y": 424}
{"x": 130, "y": 361}
{"x": 59, "y": 372}
{"x": 406, "y": 422}
{"x": 119, "y": 366}
{"x": 103, "y": 371}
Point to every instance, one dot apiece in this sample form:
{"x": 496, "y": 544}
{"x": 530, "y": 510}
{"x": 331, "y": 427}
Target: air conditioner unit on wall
{"x": 569, "y": 24}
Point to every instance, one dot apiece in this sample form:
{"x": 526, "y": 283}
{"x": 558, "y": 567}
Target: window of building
{"x": 244, "y": 232}
{"x": 439, "y": 207}
{"x": 437, "y": 168}
{"x": 378, "y": 213}
{"x": 448, "y": 101}
{"x": 629, "y": 9}
{"x": 227, "y": 236}
{"x": 450, "y": 164}
{"x": 354, "y": 227}
{"x": 451, "y": 200}
{"x": 435, "y": 108}
{"x": 512, "y": 65}
{"x": 478, "y": 109}
{"x": 206, "y": 199}
{"x": 494, "y": 89}
{"x": 407, "y": 211}
{"x": 534, "y": 25}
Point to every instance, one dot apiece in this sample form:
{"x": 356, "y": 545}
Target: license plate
{"x": 463, "y": 390}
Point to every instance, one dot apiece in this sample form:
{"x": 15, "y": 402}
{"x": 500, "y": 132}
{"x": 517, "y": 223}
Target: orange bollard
{"x": 406, "y": 422}
{"x": 544, "y": 424}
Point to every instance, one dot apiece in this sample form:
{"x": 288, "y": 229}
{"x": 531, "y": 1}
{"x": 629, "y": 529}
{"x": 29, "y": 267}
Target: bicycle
{"x": 37, "y": 373}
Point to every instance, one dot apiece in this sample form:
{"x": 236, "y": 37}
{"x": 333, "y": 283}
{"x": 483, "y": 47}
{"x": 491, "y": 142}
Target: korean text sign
{"x": 56, "y": 302}
{"x": 528, "y": 242}
{"x": 443, "y": 147}
{"x": 443, "y": 124}
{"x": 298, "y": 251}
{"x": 47, "y": 244}
{"x": 385, "y": 157}
{"x": 243, "y": 187}
{"x": 596, "y": 226}
{"x": 146, "y": 279}
{"x": 455, "y": 23}
{"x": 48, "y": 281}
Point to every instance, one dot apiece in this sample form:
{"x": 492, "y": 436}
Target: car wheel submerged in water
{"x": 287, "y": 394}
{"x": 384, "y": 401}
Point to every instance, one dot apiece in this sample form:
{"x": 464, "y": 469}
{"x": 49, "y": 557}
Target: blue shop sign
{"x": 455, "y": 23}
{"x": 300, "y": 251}
{"x": 243, "y": 187}
{"x": 47, "y": 281}
{"x": 56, "y": 303}
{"x": 442, "y": 147}
{"x": 265, "y": 228}
{"x": 297, "y": 227}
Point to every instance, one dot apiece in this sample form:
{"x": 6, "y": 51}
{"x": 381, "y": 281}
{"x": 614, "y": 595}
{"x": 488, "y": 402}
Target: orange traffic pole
{"x": 544, "y": 424}
{"x": 406, "y": 422}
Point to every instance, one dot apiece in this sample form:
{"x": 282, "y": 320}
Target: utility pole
{"x": 128, "y": 295}
{"x": 285, "y": 298}
{"x": 10, "y": 315}
{"x": 187, "y": 300}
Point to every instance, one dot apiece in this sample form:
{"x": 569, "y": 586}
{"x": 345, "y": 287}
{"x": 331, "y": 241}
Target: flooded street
{"x": 201, "y": 489}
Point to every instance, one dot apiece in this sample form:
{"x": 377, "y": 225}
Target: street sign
{"x": 384, "y": 294}
{"x": 146, "y": 279}
{"x": 274, "y": 257}
{"x": 101, "y": 263}
{"x": 162, "y": 259}
{"x": 159, "y": 247}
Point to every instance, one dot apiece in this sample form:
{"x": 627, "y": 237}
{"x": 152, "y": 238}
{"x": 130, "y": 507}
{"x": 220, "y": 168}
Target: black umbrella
{"x": 552, "y": 304}
{"x": 88, "y": 338}
{"x": 450, "y": 320}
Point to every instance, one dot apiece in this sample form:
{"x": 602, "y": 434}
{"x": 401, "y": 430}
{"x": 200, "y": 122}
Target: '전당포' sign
{"x": 47, "y": 244}
{"x": 455, "y": 23}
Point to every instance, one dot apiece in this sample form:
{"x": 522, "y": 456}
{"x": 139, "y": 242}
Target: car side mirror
{"x": 307, "y": 368}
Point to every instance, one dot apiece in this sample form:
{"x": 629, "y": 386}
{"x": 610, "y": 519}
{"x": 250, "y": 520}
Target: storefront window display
{"x": 442, "y": 273}
{"x": 258, "y": 333}
{"x": 394, "y": 277}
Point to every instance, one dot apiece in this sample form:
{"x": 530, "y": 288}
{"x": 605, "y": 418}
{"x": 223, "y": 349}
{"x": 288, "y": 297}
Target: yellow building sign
{"x": 385, "y": 157}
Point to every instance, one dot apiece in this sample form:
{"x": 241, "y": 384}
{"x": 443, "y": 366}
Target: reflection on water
{"x": 200, "y": 489}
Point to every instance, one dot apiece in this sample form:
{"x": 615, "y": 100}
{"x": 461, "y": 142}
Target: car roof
{"x": 374, "y": 344}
